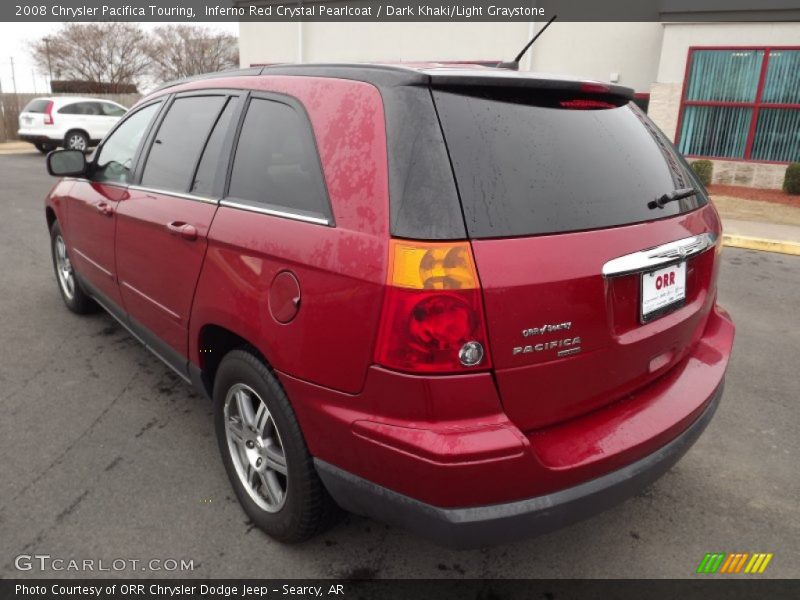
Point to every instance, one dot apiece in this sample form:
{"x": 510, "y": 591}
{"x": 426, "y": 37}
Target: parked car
{"x": 476, "y": 303}
{"x": 72, "y": 122}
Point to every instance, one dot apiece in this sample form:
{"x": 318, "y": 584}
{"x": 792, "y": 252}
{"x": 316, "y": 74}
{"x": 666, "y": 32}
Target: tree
{"x": 110, "y": 53}
{"x": 178, "y": 51}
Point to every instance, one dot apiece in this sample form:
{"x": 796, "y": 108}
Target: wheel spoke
{"x": 252, "y": 476}
{"x": 261, "y": 418}
{"x": 236, "y": 431}
{"x": 276, "y": 460}
{"x": 272, "y": 487}
{"x": 245, "y": 408}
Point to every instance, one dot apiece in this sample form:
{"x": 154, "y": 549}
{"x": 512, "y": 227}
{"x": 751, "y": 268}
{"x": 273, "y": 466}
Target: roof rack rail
{"x": 215, "y": 75}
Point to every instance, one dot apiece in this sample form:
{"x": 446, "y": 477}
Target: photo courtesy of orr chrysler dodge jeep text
{"x": 472, "y": 302}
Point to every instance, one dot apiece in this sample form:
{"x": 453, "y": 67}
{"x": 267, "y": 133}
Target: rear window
{"x": 36, "y": 106}
{"x": 527, "y": 169}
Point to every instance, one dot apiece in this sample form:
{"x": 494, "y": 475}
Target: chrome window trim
{"x": 659, "y": 256}
{"x": 139, "y": 188}
{"x": 276, "y": 213}
{"x": 183, "y": 195}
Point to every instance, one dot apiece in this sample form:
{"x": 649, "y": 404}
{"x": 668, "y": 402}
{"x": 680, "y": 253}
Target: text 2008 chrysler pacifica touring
{"x": 472, "y": 302}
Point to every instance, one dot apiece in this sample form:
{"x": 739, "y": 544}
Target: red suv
{"x": 476, "y": 303}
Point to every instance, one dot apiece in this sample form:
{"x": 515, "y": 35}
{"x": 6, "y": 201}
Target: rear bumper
{"x": 498, "y": 523}
{"x": 35, "y": 138}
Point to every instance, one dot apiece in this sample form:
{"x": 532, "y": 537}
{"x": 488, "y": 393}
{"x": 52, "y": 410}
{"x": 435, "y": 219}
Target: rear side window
{"x": 179, "y": 141}
{"x": 81, "y": 108}
{"x": 526, "y": 169}
{"x": 70, "y": 109}
{"x": 276, "y": 164}
{"x": 36, "y": 106}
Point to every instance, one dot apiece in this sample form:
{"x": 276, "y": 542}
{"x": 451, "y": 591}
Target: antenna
{"x": 514, "y": 64}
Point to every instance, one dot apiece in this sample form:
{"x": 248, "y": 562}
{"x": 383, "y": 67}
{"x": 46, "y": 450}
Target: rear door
{"x": 589, "y": 293}
{"x": 162, "y": 227}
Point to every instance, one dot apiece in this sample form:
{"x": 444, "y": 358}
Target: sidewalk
{"x": 16, "y": 148}
{"x": 772, "y": 226}
{"x": 770, "y": 237}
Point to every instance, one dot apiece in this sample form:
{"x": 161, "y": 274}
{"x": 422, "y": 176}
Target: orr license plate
{"x": 663, "y": 291}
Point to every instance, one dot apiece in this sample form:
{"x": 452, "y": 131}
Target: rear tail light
{"x": 48, "y": 114}
{"x": 432, "y": 318}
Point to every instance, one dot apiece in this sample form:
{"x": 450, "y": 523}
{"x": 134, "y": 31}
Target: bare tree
{"x": 178, "y": 51}
{"x": 111, "y": 53}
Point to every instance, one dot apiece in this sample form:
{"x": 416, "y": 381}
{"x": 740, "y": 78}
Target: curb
{"x": 762, "y": 244}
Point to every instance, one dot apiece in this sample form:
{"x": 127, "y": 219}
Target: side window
{"x": 276, "y": 163}
{"x": 115, "y": 159}
{"x": 207, "y": 169}
{"x": 70, "y": 109}
{"x": 179, "y": 142}
{"x": 92, "y": 109}
{"x": 111, "y": 110}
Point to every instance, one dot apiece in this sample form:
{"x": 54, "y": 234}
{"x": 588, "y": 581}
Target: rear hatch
{"x": 590, "y": 294}
{"x": 33, "y": 115}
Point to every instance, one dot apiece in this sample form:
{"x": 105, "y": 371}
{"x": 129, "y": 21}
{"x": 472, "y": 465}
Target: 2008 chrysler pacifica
{"x": 473, "y": 302}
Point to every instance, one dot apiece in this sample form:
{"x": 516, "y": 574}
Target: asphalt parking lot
{"x": 106, "y": 454}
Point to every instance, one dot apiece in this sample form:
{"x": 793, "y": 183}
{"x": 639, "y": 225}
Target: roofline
{"x": 385, "y": 75}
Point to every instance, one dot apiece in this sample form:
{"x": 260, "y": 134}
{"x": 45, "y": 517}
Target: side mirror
{"x": 66, "y": 163}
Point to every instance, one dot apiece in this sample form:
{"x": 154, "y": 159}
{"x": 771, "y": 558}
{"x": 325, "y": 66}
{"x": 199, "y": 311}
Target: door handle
{"x": 186, "y": 231}
{"x": 104, "y": 208}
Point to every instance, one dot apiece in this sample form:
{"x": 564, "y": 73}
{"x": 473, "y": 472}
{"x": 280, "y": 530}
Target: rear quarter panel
{"x": 340, "y": 269}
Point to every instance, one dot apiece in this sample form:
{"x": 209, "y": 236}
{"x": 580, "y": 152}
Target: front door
{"x": 93, "y": 203}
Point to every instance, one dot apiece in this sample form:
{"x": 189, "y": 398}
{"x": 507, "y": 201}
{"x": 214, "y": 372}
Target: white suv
{"x": 72, "y": 122}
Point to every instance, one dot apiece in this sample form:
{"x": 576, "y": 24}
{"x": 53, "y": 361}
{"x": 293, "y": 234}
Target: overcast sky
{"x": 14, "y": 38}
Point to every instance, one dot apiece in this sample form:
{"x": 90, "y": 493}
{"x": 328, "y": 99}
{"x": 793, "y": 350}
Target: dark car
{"x": 476, "y": 303}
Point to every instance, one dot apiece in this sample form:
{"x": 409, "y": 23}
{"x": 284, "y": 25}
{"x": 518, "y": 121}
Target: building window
{"x": 742, "y": 103}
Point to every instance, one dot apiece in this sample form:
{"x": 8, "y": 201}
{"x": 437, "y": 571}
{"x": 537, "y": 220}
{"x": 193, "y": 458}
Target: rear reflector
{"x": 433, "y": 311}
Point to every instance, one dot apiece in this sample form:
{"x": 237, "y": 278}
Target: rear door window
{"x": 212, "y": 158}
{"x": 70, "y": 109}
{"x": 527, "y": 167}
{"x": 179, "y": 142}
{"x": 276, "y": 165}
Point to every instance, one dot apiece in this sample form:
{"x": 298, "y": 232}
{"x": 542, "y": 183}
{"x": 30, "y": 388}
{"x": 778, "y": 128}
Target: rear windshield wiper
{"x": 671, "y": 197}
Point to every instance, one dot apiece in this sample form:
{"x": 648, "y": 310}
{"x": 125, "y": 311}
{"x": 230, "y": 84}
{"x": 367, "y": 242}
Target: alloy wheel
{"x": 66, "y": 276}
{"x": 76, "y": 142}
{"x": 255, "y": 447}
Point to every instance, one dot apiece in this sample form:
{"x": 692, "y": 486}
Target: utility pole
{"x": 33, "y": 79}
{"x": 49, "y": 66}
{"x": 2, "y": 115}
{"x": 13, "y": 77}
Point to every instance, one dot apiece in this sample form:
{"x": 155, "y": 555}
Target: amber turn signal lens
{"x": 431, "y": 266}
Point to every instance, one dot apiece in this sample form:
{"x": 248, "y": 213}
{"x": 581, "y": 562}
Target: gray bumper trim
{"x": 499, "y": 523}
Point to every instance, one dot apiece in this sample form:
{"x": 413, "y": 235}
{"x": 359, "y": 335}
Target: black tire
{"x": 307, "y": 509}
{"x": 74, "y": 297}
{"x": 44, "y": 148}
{"x": 76, "y": 140}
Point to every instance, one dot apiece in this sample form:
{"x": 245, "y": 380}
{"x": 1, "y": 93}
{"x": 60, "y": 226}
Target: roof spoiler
{"x": 503, "y": 78}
